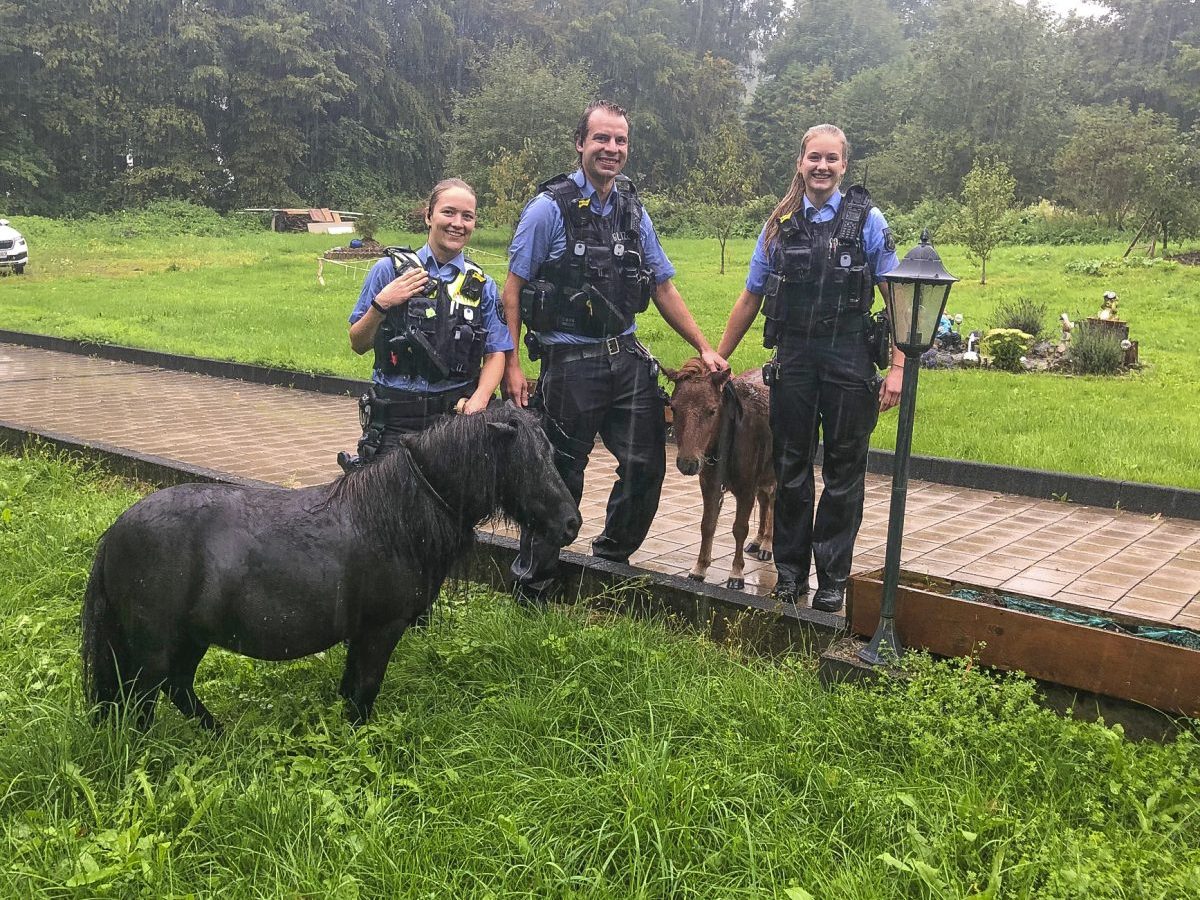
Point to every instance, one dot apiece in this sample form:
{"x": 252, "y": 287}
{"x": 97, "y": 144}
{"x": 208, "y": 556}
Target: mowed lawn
{"x": 565, "y": 754}
{"x": 253, "y": 296}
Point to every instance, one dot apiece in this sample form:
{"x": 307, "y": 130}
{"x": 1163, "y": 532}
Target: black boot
{"x": 829, "y": 597}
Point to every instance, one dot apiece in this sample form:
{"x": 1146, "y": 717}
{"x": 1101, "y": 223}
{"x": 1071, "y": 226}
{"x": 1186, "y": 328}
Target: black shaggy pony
{"x": 280, "y": 574}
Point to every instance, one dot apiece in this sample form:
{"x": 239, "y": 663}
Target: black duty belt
{"x": 557, "y": 354}
{"x": 399, "y": 404}
{"x": 846, "y": 323}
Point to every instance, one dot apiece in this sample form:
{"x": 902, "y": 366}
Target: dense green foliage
{"x": 252, "y": 296}
{"x": 567, "y": 754}
{"x": 346, "y": 103}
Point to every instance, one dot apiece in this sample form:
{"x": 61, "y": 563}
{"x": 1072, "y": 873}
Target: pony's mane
{"x": 693, "y": 368}
{"x": 457, "y": 464}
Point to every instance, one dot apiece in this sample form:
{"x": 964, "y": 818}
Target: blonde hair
{"x": 793, "y": 199}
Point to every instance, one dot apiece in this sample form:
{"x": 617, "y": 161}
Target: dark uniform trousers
{"x": 616, "y": 396}
{"x": 827, "y": 384}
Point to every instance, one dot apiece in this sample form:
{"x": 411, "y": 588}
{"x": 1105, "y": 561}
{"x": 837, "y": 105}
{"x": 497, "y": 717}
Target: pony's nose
{"x": 574, "y": 523}
{"x": 688, "y": 465}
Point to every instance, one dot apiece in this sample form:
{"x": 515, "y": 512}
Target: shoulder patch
{"x": 889, "y": 240}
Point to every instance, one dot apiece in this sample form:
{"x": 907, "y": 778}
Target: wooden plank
{"x": 1161, "y": 675}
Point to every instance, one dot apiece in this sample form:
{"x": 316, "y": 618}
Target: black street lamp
{"x": 915, "y": 292}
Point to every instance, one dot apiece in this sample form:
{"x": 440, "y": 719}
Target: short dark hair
{"x": 581, "y": 132}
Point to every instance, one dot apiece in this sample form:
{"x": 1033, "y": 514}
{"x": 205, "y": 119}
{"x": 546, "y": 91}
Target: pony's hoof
{"x": 764, "y": 555}
{"x": 736, "y": 584}
{"x": 752, "y": 547}
{"x": 692, "y": 576}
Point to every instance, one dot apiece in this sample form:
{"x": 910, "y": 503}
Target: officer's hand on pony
{"x": 714, "y": 362}
{"x": 402, "y": 288}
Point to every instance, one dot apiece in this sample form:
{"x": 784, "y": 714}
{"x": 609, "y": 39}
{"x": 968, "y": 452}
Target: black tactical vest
{"x": 439, "y": 334}
{"x": 823, "y": 280}
{"x": 600, "y": 282}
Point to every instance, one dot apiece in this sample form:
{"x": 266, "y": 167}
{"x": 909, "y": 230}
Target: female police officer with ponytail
{"x": 431, "y": 319}
{"x": 817, "y": 262}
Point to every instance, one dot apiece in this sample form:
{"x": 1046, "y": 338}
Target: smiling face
{"x": 605, "y": 148}
{"x": 822, "y": 166}
{"x": 451, "y": 219}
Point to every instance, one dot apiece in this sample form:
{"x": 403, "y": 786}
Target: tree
{"x": 511, "y": 180}
{"x": 990, "y": 83}
{"x": 1170, "y": 196}
{"x": 986, "y": 215}
{"x": 1104, "y": 167}
{"x": 524, "y": 114}
{"x": 726, "y": 177}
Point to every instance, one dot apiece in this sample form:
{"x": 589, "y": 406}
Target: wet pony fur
{"x": 723, "y": 431}
{"x": 279, "y": 574}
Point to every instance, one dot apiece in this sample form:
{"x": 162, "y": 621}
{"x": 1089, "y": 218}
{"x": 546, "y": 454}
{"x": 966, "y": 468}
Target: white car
{"x": 14, "y": 253}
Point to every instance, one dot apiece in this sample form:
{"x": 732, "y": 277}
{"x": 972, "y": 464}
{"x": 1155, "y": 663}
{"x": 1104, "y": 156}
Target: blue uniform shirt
{"x": 541, "y": 236}
{"x": 381, "y": 275}
{"x": 882, "y": 260}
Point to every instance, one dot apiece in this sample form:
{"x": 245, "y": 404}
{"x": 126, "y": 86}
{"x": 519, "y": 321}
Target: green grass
{"x": 570, "y": 754}
{"x": 253, "y": 296}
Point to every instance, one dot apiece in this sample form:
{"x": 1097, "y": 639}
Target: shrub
{"x": 1096, "y": 351}
{"x": 1023, "y": 314}
{"x": 1006, "y": 346}
{"x": 367, "y": 224}
{"x": 1096, "y": 267}
{"x": 170, "y": 218}
{"x": 1045, "y": 223}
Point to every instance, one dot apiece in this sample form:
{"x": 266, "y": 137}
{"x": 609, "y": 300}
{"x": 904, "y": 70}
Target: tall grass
{"x": 566, "y": 754}
{"x": 254, "y": 297}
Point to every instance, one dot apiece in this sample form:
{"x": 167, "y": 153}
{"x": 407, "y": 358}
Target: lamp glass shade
{"x": 916, "y": 297}
{"x": 915, "y": 310}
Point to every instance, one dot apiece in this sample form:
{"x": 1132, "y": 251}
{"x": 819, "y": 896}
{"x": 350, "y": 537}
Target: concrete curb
{"x": 1133, "y": 496}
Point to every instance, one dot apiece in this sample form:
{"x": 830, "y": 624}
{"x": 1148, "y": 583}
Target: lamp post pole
{"x": 886, "y": 642}
{"x": 916, "y": 292}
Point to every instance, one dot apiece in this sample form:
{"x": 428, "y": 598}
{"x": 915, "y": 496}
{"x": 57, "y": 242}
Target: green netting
{"x": 1180, "y": 637}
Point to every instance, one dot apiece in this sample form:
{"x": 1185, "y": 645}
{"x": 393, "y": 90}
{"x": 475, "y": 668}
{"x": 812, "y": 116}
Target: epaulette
{"x": 403, "y": 258}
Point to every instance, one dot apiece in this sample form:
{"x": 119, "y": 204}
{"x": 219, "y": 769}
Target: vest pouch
{"x": 539, "y": 306}
{"x": 574, "y": 314}
{"x": 420, "y": 312}
{"x": 774, "y": 310}
{"x": 597, "y": 262}
{"x": 636, "y": 283}
{"x": 462, "y": 345}
{"x": 797, "y": 262}
{"x": 605, "y": 319}
{"x": 860, "y": 296}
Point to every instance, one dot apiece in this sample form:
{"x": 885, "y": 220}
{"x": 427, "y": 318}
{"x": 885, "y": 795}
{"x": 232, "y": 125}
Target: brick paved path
{"x": 1127, "y": 562}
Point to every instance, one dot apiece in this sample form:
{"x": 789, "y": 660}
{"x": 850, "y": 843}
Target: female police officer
{"x": 431, "y": 318}
{"x": 817, "y": 261}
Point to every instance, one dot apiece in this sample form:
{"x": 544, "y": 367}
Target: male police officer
{"x": 584, "y": 261}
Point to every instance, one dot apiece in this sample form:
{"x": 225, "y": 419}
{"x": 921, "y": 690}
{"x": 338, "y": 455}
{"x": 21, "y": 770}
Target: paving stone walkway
{"x": 1103, "y": 559}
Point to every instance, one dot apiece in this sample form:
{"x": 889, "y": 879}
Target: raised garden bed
{"x": 1112, "y": 661}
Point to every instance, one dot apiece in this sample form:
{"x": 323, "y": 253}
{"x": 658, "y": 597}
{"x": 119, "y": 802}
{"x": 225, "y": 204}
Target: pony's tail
{"x": 104, "y": 651}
